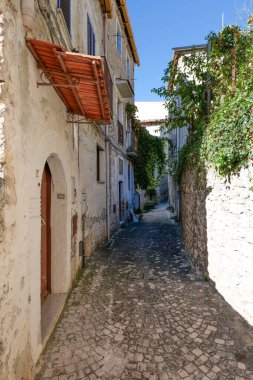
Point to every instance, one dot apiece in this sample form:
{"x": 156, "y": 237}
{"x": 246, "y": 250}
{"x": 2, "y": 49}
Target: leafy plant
{"x": 148, "y": 205}
{"x": 212, "y": 94}
{"x": 151, "y": 161}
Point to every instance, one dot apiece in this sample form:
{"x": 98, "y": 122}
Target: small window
{"x": 65, "y": 6}
{"x": 120, "y": 112}
{"x": 129, "y": 177}
{"x": 128, "y": 71}
{"x": 119, "y": 39}
{"x": 100, "y": 164}
{"x": 120, "y": 167}
{"x": 91, "y": 39}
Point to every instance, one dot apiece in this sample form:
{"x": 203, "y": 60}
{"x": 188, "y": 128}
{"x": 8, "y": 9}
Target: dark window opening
{"x": 129, "y": 177}
{"x": 120, "y": 167}
{"x": 91, "y": 39}
{"x": 119, "y": 39}
{"x": 100, "y": 164}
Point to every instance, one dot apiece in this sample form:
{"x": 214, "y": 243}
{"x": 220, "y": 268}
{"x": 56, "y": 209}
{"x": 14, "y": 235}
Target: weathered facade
{"x": 61, "y": 189}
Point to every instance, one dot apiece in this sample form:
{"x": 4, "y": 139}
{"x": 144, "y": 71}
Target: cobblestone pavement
{"x": 139, "y": 312}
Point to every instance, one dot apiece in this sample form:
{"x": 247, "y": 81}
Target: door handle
{"x": 43, "y": 223}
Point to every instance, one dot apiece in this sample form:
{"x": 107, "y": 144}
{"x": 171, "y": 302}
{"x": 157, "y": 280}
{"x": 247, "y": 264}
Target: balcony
{"x": 132, "y": 145}
{"x": 120, "y": 133}
{"x": 125, "y": 88}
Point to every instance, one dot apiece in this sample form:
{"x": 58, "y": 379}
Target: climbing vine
{"x": 151, "y": 161}
{"x": 212, "y": 94}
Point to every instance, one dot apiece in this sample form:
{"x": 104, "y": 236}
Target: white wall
{"x": 151, "y": 110}
{"x": 229, "y": 210}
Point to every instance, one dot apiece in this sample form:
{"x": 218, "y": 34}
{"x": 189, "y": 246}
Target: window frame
{"x": 129, "y": 176}
{"x": 99, "y": 151}
{"x": 119, "y": 41}
{"x": 128, "y": 67}
{"x": 91, "y": 37}
{"x": 121, "y": 166}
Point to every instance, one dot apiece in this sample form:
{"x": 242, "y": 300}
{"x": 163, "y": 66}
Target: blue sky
{"x": 163, "y": 24}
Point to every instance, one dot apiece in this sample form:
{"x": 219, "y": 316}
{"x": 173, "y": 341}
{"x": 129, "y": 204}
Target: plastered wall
{"x": 33, "y": 130}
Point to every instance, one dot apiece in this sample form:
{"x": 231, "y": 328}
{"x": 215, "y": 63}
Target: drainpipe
{"x": 28, "y": 13}
{"x": 107, "y": 163}
{"x": 107, "y": 152}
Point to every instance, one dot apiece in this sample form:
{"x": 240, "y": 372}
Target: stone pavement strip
{"x": 140, "y": 312}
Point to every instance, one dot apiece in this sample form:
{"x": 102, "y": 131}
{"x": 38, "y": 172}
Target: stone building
{"x": 66, "y": 149}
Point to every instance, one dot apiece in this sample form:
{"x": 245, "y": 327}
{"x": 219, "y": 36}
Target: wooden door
{"x": 45, "y": 234}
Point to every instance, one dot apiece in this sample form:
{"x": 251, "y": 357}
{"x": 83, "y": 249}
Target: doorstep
{"x": 50, "y": 312}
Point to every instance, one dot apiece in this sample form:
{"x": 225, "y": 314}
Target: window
{"x": 100, "y": 164}
{"x": 128, "y": 71}
{"x": 128, "y": 123}
{"x": 120, "y": 114}
{"x": 120, "y": 117}
{"x": 120, "y": 167}
{"x": 119, "y": 39}
{"x": 91, "y": 39}
{"x": 65, "y": 6}
{"x": 129, "y": 177}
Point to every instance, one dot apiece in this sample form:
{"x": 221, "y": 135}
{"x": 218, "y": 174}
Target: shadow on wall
{"x": 194, "y": 192}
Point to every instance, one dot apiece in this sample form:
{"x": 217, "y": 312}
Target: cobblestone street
{"x": 139, "y": 312}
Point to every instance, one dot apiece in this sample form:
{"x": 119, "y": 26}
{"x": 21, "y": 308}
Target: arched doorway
{"x": 55, "y": 244}
{"x": 45, "y": 233}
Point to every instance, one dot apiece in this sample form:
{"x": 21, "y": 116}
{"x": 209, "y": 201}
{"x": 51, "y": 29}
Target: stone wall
{"x": 193, "y": 216}
{"x": 217, "y": 218}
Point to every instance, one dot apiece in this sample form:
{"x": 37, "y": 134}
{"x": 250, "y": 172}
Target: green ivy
{"x": 150, "y": 163}
{"x": 221, "y": 131}
{"x": 190, "y": 154}
{"x": 228, "y": 136}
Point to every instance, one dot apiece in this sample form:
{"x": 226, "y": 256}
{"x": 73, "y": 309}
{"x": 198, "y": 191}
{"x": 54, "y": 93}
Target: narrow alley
{"x": 139, "y": 312}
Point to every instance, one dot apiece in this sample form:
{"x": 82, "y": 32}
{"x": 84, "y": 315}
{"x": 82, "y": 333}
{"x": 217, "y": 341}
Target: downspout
{"x": 107, "y": 163}
{"x": 28, "y": 13}
{"x": 107, "y": 154}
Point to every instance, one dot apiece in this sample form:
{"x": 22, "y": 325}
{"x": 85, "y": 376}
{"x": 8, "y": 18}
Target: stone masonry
{"x": 193, "y": 217}
{"x": 217, "y": 218}
{"x": 140, "y": 312}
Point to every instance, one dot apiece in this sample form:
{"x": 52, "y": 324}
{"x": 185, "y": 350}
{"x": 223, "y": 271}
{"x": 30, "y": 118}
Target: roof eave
{"x": 108, "y": 8}
{"x": 129, "y": 29}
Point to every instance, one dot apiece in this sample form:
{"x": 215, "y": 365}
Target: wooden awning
{"x": 78, "y": 79}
